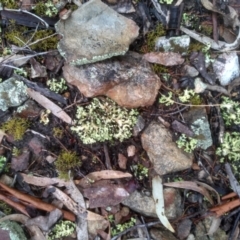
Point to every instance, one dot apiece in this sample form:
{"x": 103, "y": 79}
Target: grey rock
{"x": 173, "y": 44}
{"x": 95, "y": 32}
{"x": 190, "y": 71}
{"x": 198, "y": 121}
{"x": 202, "y": 229}
{"x": 128, "y": 80}
{"x": 12, "y": 93}
{"x": 138, "y": 202}
{"x": 226, "y": 67}
{"x": 161, "y": 234}
{"x": 162, "y": 151}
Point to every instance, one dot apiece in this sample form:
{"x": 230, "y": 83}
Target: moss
{"x": 15, "y": 34}
{"x": 16, "y": 127}
{"x": 57, "y": 132}
{"x": 206, "y": 29}
{"x": 153, "y": 35}
{"x": 5, "y": 208}
{"x": 12, "y": 4}
{"x": 195, "y": 46}
{"x": 67, "y": 161}
{"x": 158, "y": 69}
{"x": 46, "y": 8}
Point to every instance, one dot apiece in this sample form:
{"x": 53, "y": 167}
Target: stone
{"x": 162, "y": 151}
{"x": 203, "y": 227}
{"x": 174, "y": 44}
{"x": 161, "y": 234}
{"x": 138, "y": 202}
{"x": 12, "y": 93}
{"x": 127, "y": 80}
{"x": 95, "y": 32}
{"x": 197, "y": 119}
{"x": 226, "y": 67}
{"x": 190, "y": 71}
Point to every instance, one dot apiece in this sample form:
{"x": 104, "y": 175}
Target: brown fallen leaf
{"x": 46, "y": 103}
{"x": 104, "y": 196}
{"x": 192, "y": 186}
{"x": 105, "y": 174}
{"x": 164, "y": 58}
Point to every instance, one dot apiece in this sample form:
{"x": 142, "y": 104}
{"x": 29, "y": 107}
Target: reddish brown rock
{"x": 128, "y": 80}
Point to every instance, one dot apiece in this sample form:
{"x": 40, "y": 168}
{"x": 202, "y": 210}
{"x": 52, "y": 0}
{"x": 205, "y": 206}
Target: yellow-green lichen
{"x": 57, "y": 132}
{"x": 103, "y": 120}
{"x": 16, "y": 127}
{"x": 67, "y": 161}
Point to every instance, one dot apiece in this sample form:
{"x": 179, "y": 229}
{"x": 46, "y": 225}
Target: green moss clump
{"x": 14, "y": 34}
{"x": 195, "y": 47}
{"x": 206, "y": 29}
{"x": 11, "y": 4}
{"x": 16, "y": 127}
{"x": 159, "y": 69}
{"x": 159, "y": 31}
{"x": 46, "y": 8}
{"x": 5, "y": 208}
{"x": 57, "y": 132}
{"x": 67, "y": 161}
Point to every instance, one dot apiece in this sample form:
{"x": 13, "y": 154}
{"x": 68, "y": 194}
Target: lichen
{"x": 67, "y": 161}
{"x": 16, "y": 127}
{"x": 62, "y": 229}
{"x": 103, "y": 120}
{"x": 45, "y": 9}
{"x": 57, "y": 85}
{"x": 15, "y": 230}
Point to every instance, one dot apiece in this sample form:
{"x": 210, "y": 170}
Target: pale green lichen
{"x": 188, "y": 144}
{"x": 230, "y": 111}
{"x": 15, "y": 230}
{"x": 57, "y": 85}
{"x": 103, "y": 120}
{"x": 62, "y": 229}
{"x": 166, "y": 1}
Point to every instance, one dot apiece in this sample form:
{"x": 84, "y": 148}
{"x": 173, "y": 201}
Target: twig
{"x": 107, "y": 158}
{"x": 221, "y": 46}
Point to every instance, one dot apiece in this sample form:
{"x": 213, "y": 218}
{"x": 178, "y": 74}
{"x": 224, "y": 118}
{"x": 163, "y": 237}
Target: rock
{"x": 12, "y": 93}
{"x": 128, "y": 80}
{"x": 198, "y": 121}
{"x": 226, "y": 67}
{"x": 29, "y": 109}
{"x": 190, "y": 71}
{"x": 138, "y": 202}
{"x": 161, "y": 234}
{"x": 162, "y": 151}
{"x": 95, "y": 32}
{"x": 174, "y": 44}
{"x": 203, "y": 227}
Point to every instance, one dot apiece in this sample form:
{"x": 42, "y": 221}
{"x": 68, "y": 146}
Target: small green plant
{"x": 121, "y": 227}
{"x": 16, "y": 127}
{"x": 189, "y": 20}
{"x": 187, "y": 95}
{"x": 5, "y": 208}
{"x": 139, "y": 171}
{"x": 67, "y": 161}
{"x": 58, "y": 86}
{"x": 188, "y": 144}
{"x": 62, "y": 229}
{"x": 16, "y": 152}
{"x": 230, "y": 111}
{"x": 103, "y": 120}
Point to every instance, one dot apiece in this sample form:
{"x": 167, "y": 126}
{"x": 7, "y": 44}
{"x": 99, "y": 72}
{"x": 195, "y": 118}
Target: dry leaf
{"x": 192, "y": 186}
{"x": 46, "y": 103}
{"x": 157, "y": 191}
{"x": 166, "y": 59}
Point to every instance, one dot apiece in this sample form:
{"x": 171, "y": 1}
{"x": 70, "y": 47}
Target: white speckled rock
{"x": 95, "y": 32}
{"x": 226, "y": 67}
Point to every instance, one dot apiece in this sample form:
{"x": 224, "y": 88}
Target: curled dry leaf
{"x": 166, "y": 59}
{"x": 192, "y": 186}
{"x": 46, "y": 103}
{"x": 157, "y": 189}
{"x": 105, "y": 174}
